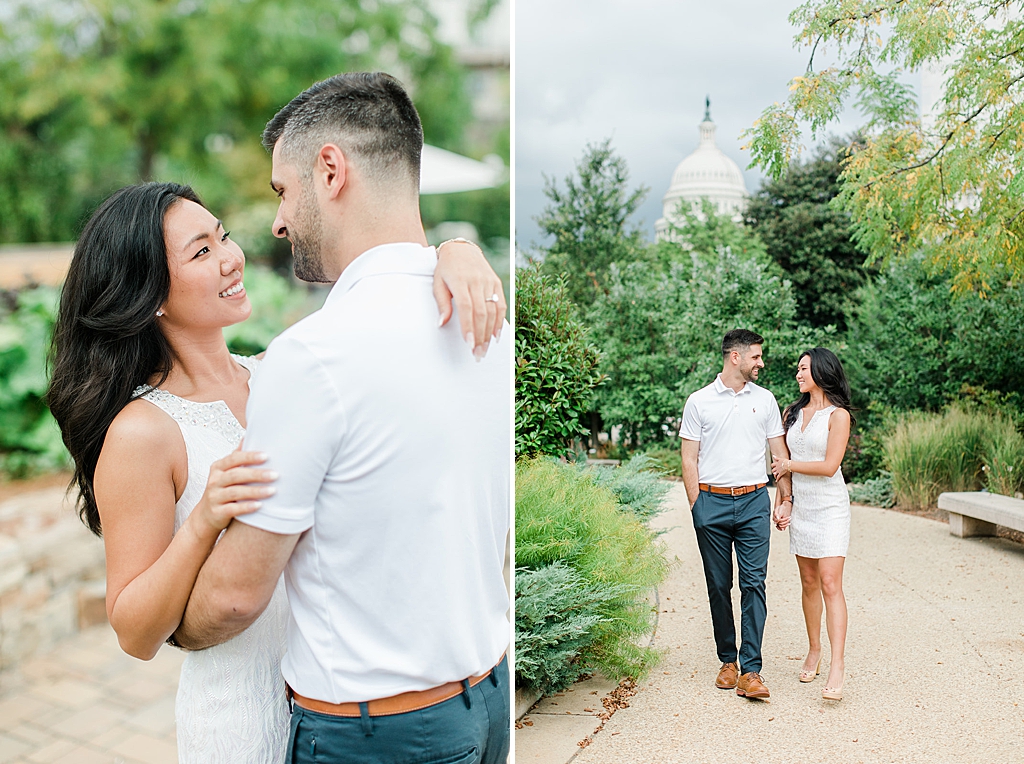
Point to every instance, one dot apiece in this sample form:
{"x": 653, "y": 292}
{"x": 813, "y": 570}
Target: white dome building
{"x": 706, "y": 174}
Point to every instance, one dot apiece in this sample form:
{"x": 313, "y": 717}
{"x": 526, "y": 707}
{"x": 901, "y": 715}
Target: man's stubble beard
{"x": 750, "y": 375}
{"x": 308, "y": 240}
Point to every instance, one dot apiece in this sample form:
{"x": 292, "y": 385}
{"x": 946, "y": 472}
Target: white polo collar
{"x": 398, "y": 257}
{"x": 721, "y": 387}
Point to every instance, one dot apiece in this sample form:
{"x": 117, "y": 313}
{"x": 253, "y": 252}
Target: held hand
{"x": 465, "y": 278}
{"x": 780, "y": 467}
{"x": 782, "y": 515}
{"x": 228, "y": 490}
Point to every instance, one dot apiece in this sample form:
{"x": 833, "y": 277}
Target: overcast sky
{"x": 637, "y": 71}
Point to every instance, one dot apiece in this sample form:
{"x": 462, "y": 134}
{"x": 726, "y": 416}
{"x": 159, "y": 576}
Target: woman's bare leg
{"x": 830, "y": 570}
{"x": 810, "y": 600}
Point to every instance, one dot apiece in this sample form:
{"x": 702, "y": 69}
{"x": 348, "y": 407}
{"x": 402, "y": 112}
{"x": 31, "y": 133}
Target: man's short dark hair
{"x": 740, "y": 339}
{"x": 366, "y": 114}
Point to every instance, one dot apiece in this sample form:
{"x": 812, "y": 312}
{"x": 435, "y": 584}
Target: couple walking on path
{"x": 724, "y": 429}
{"x": 373, "y": 483}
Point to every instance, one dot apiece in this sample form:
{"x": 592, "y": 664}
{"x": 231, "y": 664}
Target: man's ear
{"x": 332, "y": 169}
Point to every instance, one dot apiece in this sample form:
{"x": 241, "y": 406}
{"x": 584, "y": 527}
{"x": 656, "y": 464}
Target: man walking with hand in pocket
{"x": 725, "y": 426}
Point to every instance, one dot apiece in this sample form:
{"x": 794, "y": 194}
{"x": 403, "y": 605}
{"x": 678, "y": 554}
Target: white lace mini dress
{"x": 820, "y": 524}
{"x": 231, "y": 705}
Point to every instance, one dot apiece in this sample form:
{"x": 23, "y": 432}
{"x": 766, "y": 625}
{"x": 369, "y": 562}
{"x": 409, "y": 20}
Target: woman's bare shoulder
{"x": 142, "y": 424}
{"x": 839, "y": 416}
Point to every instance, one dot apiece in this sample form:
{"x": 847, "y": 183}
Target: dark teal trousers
{"x": 472, "y": 728}
{"x": 723, "y": 523}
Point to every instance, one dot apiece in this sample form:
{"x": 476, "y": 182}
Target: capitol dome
{"x": 706, "y": 174}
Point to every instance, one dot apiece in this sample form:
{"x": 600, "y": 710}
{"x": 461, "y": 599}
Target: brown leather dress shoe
{"x": 751, "y": 685}
{"x": 727, "y": 676}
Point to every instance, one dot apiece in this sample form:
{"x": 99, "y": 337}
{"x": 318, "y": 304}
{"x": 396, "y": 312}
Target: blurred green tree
{"x": 589, "y": 222}
{"x": 95, "y": 94}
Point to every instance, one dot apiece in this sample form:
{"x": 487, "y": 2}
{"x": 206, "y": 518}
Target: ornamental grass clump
{"x": 1004, "y": 460}
{"x": 957, "y": 450}
{"x": 563, "y": 517}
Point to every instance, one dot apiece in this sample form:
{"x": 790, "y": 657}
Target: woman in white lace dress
{"x": 151, "y": 406}
{"x": 817, "y": 430}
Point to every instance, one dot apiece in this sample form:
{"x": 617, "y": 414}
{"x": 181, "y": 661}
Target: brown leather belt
{"x": 738, "y": 490}
{"x": 396, "y": 704}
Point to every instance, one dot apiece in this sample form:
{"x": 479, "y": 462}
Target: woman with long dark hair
{"x": 817, "y": 429}
{"x": 151, "y": 406}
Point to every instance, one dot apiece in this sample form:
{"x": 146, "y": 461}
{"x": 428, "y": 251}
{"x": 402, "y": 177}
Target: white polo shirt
{"x": 732, "y": 429}
{"x": 394, "y": 450}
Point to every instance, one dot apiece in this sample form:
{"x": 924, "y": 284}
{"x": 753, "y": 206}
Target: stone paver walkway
{"x": 87, "y": 702}
{"x": 934, "y": 660}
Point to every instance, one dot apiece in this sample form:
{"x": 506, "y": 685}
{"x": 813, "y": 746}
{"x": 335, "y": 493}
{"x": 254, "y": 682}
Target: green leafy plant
{"x": 557, "y": 611}
{"x": 876, "y": 492}
{"x": 29, "y": 438}
{"x": 667, "y": 458}
{"x": 635, "y": 485}
{"x": 563, "y": 516}
{"x": 556, "y": 366}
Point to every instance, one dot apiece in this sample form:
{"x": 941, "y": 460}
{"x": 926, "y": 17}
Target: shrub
{"x": 556, "y": 612}
{"x": 876, "y": 492}
{"x": 563, "y": 516}
{"x": 667, "y": 458}
{"x": 29, "y": 438}
{"x": 556, "y": 366}
{"x": 635, "y": 485}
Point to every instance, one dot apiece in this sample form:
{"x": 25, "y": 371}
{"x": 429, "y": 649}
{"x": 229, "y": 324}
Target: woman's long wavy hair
{"x": 106, "y": 341}
{"x": 827, "y": 373}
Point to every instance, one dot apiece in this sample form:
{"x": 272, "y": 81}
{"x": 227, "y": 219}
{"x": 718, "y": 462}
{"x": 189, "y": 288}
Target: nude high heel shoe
{"x": 810, "y": 676}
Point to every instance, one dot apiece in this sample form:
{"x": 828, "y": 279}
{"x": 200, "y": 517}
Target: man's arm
{"x": 691, "y": 482}
{"x": 783, "y": 485}
{"x": 234, "y": 585}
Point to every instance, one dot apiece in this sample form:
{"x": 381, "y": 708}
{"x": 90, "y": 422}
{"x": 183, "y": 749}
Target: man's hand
{"x": 465, "y": 278}
{"x": 782, "y": 514}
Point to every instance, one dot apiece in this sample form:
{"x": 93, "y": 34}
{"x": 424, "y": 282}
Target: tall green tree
{"x": 660, "y": 324}
{"x": 809, "y": 238}
{"x": 589, "y": 221}
{"x": 950, "y": 187}
{"x": 98, "y": 93}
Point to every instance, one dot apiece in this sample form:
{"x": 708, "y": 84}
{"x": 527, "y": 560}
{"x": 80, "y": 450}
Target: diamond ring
{"x": 493, "y": 298}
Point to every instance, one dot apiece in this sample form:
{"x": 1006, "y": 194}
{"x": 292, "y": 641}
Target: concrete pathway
{"x": 934, "y": 660}
{"x": 87, "y": 702}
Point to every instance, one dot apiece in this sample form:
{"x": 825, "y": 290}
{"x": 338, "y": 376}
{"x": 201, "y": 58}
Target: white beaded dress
{"x": 231, "y": 705}
{"x": 820, "y": 523}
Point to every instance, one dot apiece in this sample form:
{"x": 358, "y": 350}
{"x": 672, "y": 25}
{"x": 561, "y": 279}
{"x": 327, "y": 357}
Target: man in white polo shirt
{"x": 725, "y": 426}
{"x": 393, "y": 447}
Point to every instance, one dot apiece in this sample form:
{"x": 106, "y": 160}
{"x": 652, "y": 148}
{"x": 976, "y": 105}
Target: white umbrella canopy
{"x": 444, "y": 172}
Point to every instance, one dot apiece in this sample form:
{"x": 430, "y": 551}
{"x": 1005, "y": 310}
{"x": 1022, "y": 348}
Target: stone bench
{"x": 974, "y": 513}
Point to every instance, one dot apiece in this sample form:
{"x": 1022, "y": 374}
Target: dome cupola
{"x": 707, "y": 173}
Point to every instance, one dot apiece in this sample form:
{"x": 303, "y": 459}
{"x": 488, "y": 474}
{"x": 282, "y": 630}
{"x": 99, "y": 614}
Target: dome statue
{"x": 706, "y": 174}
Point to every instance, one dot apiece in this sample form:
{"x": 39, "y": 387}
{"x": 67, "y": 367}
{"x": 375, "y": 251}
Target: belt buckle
{"x": 732, "y": 490}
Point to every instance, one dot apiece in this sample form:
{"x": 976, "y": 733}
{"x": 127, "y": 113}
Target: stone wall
{"x": 51, "y": 574}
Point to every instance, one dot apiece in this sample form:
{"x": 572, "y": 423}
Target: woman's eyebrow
{"x": 198, "y": 236}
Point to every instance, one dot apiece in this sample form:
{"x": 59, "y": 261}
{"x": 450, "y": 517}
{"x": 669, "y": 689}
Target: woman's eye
{"x": 201, "y": 252}
{"x": 225, "y": 236}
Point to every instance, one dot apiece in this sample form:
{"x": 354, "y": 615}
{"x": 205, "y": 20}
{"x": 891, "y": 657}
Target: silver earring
{"x": 159, "y": 313}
